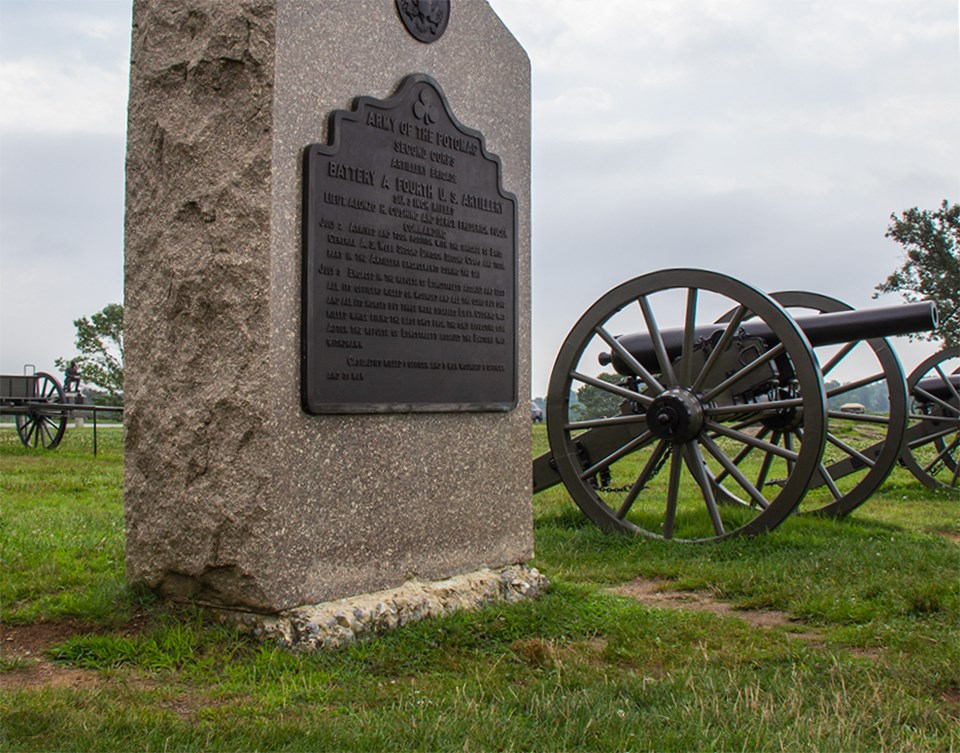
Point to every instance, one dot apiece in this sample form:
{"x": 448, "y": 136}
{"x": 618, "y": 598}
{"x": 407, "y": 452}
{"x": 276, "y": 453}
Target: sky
{"x": 769, "y": 141}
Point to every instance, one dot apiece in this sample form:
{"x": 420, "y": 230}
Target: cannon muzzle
{"x": 822, "y": 329}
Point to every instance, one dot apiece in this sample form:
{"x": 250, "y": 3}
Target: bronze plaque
{"x": 409, "y": 263}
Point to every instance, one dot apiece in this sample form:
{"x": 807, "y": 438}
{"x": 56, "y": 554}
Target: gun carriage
{"x": 724, "y": 426}
{"x": 41, "y": 407}
{"x": 29, "y": 398}
{"x": 931, "y": 448}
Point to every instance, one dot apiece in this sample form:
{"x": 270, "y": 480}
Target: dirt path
{"x": 658, "y": 595}
{"x": 26, "y": 646}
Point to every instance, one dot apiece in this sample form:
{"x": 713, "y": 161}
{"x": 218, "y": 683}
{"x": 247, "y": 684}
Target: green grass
{"x": 578, "y": 669}
{"x": 61, "y": 529}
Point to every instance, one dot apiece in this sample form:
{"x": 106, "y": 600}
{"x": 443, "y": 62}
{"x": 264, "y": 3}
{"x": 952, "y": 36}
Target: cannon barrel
{"x": 938, "y": 388}
{"x": 822, "y": 329}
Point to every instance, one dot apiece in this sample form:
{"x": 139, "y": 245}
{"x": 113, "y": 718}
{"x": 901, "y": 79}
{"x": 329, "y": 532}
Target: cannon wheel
{"x": 931, "y": 452}
{"x": 870, "y": 445}
{"x": 40, "y": 429}
{"x": 696, "y": 433}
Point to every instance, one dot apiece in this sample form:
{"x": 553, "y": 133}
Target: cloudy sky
{"x": 767, "y": 140}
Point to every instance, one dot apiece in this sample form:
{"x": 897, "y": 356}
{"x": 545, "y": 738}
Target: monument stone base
{"x": 335, "y": 623}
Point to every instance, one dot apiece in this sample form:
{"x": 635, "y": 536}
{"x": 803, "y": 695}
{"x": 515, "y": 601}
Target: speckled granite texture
{"x": 234, "y": 497}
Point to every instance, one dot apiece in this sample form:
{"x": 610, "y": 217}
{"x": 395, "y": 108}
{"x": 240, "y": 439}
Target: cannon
{"x": 931, "y": 449}
{"x": 721, "y": 427}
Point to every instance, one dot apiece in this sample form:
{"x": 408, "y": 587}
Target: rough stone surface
{"x": 336, "y": 623}
{"x": 234, "y": 496}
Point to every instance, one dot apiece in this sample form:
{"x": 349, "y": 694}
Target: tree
{"x": 931, "y": 267}
{"x": 592, "y": 402}
{"x": 100, "y": 342}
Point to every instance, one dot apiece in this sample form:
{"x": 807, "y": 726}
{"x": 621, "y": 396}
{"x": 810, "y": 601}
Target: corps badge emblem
{"x": 426, "y": 20}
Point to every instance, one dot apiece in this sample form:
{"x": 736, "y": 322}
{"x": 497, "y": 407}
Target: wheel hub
{"x": 675, "y": 415}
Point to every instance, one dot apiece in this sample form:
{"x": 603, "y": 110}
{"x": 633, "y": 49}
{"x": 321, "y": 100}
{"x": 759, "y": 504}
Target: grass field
{"x": 820, "y": 636}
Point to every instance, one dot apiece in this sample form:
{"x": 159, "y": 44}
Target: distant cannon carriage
{"x": 41, "y": 406}
{"x": 37, "y": 402}
{"x": 724, "y": 426}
